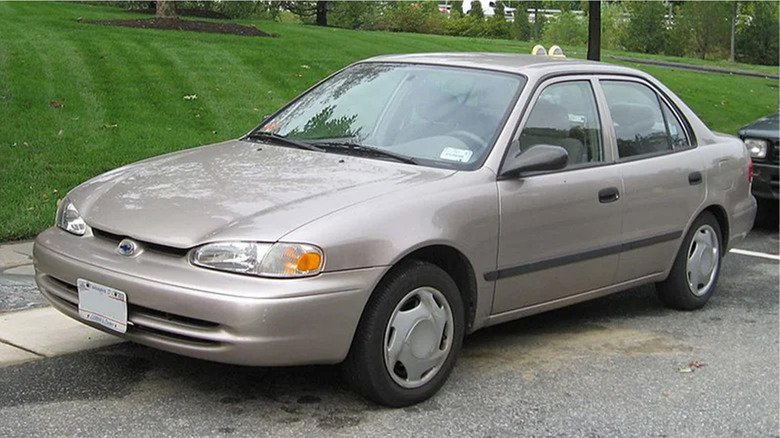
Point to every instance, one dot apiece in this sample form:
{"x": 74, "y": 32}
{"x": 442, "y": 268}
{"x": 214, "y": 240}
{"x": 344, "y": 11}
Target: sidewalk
{"x": 29, "y": 328}
{"x": 17, "y": 287}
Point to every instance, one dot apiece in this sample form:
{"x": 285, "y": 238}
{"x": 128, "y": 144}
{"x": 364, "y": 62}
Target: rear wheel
{"x": 696, "y": 268}
{"x": 408, "y": 338}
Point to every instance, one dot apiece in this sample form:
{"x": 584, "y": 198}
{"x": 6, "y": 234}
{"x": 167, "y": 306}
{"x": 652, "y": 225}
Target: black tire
{"x": 675, "y": 292}
{"x": 364, "y": 369}
{"x": 767, "y": 216}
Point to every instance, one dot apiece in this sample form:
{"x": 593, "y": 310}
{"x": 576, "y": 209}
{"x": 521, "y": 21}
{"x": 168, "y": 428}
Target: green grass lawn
{"x": 122, "y": 92}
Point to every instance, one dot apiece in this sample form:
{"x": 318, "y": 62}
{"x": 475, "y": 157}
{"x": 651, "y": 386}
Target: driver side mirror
{"x": 537, "y": 158}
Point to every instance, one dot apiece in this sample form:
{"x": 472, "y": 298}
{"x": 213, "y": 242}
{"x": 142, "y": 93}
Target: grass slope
{"x": 122, "y": 92}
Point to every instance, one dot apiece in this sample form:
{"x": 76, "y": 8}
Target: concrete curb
{"x": 15, "y": 254}
{"x": 38, "y": 333}
{"x": 701, "y": 68}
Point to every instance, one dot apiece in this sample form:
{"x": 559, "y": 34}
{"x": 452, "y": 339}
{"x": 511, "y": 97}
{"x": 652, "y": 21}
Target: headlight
{"x": 283, "y": 260}
{"x": 69, "y": 219}
{"x": 756, "y": 147}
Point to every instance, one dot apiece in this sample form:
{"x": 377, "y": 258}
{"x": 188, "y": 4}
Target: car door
{"x": 663, "y": 176}
{"x": 559, "y": 230}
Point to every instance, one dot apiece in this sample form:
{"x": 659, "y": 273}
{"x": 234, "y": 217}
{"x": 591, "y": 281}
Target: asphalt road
{"x": 610, "y": 367}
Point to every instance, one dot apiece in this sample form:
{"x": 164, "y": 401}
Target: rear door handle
{"x": 610, "y": 194}
{"x": 694, "y": 178}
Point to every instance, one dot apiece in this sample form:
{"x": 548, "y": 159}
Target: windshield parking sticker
{"x": 453, "y": 154}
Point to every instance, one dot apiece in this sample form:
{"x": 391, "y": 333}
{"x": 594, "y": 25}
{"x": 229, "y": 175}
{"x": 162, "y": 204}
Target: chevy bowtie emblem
{"x": 126, "y": 247}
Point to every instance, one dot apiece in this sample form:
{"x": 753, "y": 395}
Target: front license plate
{"x": 103, "y": 305}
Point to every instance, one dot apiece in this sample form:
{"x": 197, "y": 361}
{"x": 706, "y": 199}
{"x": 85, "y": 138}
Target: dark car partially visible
{"x": 762, "y": 138}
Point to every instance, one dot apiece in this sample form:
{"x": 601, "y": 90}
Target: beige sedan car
{"x": 398, "y": 205}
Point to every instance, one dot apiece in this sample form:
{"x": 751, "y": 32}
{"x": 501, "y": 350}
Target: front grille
{"x": 155, "y": 247}
{"x": 774, "y": 152}
{"x": 142, "y": 319}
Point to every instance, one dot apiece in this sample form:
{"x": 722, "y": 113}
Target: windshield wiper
{"x": 266, "y": 135}
{"x": 368, "y": 150}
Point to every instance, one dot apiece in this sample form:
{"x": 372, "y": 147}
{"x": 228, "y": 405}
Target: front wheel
{"x": 694, "y": 275}
{"x": 408, "y": 338}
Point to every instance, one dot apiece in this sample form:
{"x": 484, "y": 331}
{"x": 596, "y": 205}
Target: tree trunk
{"x": 594, "y": 30}
{"x": 165, "y": 9}
{"x": 322, "y": 13}
{"x": 733, "y": 30}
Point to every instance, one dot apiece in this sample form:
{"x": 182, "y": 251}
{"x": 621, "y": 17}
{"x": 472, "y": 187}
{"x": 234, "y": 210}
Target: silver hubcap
{"x": 703, "y": 258}
{"x": 418, "y": 337}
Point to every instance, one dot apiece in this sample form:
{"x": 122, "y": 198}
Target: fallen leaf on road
{"x": 696, "y": 364}
{"x": 686, "y": 370}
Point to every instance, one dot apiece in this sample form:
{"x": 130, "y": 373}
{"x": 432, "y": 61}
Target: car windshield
{"x": 434, "y": 115}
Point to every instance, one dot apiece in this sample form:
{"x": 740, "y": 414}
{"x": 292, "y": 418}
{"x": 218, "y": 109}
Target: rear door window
{"x": 643, "y": 123}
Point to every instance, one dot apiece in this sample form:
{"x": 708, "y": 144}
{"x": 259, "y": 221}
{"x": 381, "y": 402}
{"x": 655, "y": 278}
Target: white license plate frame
{"x": 102, "y": 305}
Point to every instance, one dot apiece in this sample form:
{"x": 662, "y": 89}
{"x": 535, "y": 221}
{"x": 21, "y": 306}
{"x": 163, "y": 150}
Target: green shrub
{"x": 476, "y": 9}
{"x": 566, "y": 29}
{"x": 757, "y": 38}
{"x": 363, "y": 15}
{"x": 414, "y": 17}
{"x": 646, "y": 30}
{"x": 614, "y": 21}
{"x": 522, "y": 25}
{"x": 678, "y": 39}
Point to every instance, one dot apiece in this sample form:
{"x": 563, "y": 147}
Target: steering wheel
{"x": 473, "y": 141}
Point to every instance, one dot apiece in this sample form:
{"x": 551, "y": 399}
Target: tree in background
{"x": 356, "y": 14}
{"x": 456, "y": 9}
{"x": 165, "y": 9}
{"x": 709, "y": 24}
{"x": 566, "y": 29}
{"x": 758, "y": 37}
{"x": 522, "y": 26}
{"x": 499, "y": 12}
{"x": 539, "y": 20}
{"x": 307, "y": 9}
{"x": 613, "y": 25}
{"x": 733, "y": 40}
{"x": 497, "y": 26}
{"x": 646, "y": 30}
{"x": 476, "y": 10}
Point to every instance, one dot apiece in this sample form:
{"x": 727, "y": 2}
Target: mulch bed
{"x": 188, "y": 25}
{"x": 200, "y": 13}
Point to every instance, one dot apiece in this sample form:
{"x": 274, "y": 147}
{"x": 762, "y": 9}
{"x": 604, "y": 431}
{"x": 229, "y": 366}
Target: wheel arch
{"x": 456, "y": 265}
{"x": 723, "y": 222}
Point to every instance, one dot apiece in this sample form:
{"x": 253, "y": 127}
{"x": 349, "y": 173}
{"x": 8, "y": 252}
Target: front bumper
{"x": 207, "y": 314}
{"x": 765, "y": 180}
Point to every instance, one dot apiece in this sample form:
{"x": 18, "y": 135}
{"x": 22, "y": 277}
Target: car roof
{"x": 509, "y": 62}
{"x": 537, "y": 68}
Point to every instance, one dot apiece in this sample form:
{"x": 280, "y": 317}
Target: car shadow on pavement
{"x": 287, "y": 394}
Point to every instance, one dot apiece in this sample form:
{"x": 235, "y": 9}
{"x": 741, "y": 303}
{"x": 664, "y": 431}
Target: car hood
{"x": 235, "y": 190}
{"x": 765, "y": 127}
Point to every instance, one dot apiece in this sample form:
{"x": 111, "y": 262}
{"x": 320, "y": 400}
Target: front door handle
{"x": 694, "y": 178}
{"x": 610, "y": 194}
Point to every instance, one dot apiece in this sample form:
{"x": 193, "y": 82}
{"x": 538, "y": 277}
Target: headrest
{"x": 431, "y": 103}
{"x": 632, "y": 115}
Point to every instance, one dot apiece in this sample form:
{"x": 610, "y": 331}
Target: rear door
{"x": 560, "y": 231}
{"x": 661, "y": 171}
